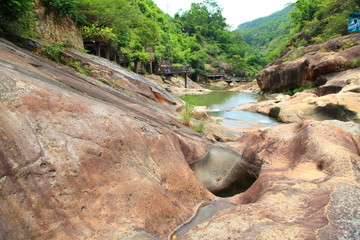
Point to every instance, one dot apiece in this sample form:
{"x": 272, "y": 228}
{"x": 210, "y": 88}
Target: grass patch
{"x": 300, "y": 89}
{"x": 78, "y": 66}
{"x": 53, "y": 51}
{"x": 199, "y": 127}
{"x": 355, "y": 63}
{"x": 296, "y": 54}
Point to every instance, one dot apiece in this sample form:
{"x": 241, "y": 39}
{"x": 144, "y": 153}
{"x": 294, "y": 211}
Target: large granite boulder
{"x": 346, "y": 81}
{"x": 80, "y": 160}
{"x": 304, "y": 66}
{"x": 308, "y": 187}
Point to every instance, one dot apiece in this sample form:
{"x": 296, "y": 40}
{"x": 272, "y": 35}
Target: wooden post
{"x": 98, "y": 49}
{"x": 151, "y": 68}
{"x": 186, "y": 76}
{"x": 107, "y": 52}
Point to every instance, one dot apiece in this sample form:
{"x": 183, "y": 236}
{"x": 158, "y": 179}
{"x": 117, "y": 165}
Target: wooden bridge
{"x": 230, "y": 80}
{"x": 172, "y": 69}
{"x": 205, "y": 76}
{"x": 166, "y": 68}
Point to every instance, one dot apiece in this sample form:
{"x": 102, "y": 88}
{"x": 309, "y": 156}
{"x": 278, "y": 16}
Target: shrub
{"x": 296, "y": 90}
{"x": 79, "y": 66}
{"x": 52, "y": 51}
{"x": 199, "y": 128}
{"x": 89, "y": 32}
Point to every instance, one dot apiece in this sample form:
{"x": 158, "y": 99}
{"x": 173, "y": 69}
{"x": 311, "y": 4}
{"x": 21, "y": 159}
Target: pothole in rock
{"x": 222, "y": 172}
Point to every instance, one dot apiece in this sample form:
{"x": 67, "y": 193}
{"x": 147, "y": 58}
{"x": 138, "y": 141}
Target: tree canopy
{"x": 140, "y": 31}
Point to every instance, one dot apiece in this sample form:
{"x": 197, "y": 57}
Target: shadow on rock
{"x": 222, "y": 172}
{"x": 335, "y": 111}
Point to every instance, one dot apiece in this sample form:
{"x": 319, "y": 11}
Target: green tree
{"x": 15, "y": 16}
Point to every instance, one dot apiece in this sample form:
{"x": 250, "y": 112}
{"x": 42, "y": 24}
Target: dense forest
{"x": 299, "y": 24}
{"x": 140, "y": 31}
{"x": 268, "y": 35}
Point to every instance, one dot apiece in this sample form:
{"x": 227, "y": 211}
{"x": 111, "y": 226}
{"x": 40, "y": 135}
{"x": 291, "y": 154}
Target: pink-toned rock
{"x": 79, "y": 160}
{"x": 308, "y": 187}
{"x": 309, "y": 64}
{"x": 344, "y": 106}
{"x": 346, "y": 81}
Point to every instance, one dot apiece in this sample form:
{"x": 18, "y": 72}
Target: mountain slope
{"x": 266, "y": 35}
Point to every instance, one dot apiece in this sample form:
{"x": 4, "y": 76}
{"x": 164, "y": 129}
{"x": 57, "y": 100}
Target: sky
{"x": 235, "y": 11}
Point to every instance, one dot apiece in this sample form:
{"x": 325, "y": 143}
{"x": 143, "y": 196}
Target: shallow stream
{"x": 221, "y": 103}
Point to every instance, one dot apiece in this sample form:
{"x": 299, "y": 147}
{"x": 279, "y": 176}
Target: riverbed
{"x": 221, "y": 103}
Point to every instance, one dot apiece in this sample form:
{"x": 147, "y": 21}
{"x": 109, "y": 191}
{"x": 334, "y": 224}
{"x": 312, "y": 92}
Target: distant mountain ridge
{"x": 266, "y": 34}
{"x": 279, "y": 14}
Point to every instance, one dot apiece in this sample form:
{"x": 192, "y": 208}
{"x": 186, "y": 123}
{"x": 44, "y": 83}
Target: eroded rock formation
{"x": 223, "y": 173}
{"x": 308, "y": 187}
{"x": 304, "y": 66}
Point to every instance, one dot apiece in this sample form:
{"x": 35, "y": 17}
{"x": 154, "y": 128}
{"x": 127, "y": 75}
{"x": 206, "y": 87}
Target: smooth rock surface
{"x": 222, "y": 172}
{"x": 346, "y": 81}
{"x": 308, "y": 187}
{"x": 80, "y": 160}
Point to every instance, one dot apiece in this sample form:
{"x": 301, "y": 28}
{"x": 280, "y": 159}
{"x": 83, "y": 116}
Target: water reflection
{"x": 221, "y": 102}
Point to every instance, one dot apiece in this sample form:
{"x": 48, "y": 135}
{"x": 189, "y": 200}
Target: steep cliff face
{"x": 53, "y": 28}
{"x": 303, "y": 66}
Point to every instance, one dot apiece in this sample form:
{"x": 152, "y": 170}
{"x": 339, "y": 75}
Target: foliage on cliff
{"x": 303, "y": 23}
{"x": 317, "y": 21}
{"x": 205, "y": 23}
{"x": 15, "y": 15}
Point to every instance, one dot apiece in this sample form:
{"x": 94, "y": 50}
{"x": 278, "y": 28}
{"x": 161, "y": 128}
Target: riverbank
{"x": 217, "y": 106}
{"x": 338, "y": 99}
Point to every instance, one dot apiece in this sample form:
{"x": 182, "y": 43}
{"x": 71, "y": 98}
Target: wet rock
{"x": 274, "y": 112}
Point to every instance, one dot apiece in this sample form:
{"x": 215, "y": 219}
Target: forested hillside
{"x": 315, "y": 21}
{"x": 141, "y": 32}
{"x": 302, "y": 23}
{"x": 267, "y": 35}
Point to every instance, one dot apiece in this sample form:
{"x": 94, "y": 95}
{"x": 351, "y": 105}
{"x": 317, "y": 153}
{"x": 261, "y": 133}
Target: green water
{"x": 221, "y": 102}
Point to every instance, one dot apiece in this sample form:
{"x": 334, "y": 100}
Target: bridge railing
{"x": 172, "y": 69}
